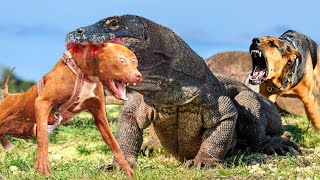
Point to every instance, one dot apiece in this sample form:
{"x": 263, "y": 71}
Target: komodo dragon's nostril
{"x": 80, "y": 31}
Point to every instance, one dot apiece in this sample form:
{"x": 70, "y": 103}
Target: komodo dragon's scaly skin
{"x": 193, "y": 112}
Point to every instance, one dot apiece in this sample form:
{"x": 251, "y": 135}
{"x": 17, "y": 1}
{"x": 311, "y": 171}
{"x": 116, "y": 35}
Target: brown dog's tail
{"x": 6, "y": 88}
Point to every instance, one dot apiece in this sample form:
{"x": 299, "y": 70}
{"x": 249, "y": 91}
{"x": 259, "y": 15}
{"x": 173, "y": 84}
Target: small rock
{"x": 286, "y": 135}
{"x": 256, "y": 169}
{"x": 14, "y": 168}
{"x": 309, "y": 151}
{"x": 2, "y": 177}
{"x": 317, "y": 150}
{"x": 57, "y": 156}
{"x": 253, "y": 163}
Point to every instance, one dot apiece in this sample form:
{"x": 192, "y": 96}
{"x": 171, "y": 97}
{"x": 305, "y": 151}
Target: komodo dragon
{"x": 195, "y": 114}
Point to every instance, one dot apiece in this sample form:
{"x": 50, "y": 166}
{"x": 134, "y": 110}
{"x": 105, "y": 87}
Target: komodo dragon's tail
{"x": 6, "y": 88}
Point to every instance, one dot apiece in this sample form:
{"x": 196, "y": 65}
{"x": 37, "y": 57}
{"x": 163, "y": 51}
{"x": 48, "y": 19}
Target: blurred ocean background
{"x": 32, "y": 32}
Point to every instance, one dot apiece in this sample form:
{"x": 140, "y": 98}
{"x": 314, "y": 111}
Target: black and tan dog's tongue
{"x": 258, "y": 75}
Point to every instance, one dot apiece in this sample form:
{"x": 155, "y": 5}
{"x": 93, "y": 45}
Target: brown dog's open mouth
{"x": 259, "y": 67}
{"x": 118, "y": 88}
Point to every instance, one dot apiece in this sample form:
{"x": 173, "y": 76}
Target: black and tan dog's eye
{"x": 272, "y": 44}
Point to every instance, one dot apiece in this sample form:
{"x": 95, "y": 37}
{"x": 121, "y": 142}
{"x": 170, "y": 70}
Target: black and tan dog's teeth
{"x": 256, "y": 52}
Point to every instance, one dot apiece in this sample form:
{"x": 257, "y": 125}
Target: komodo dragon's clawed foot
{"x": 149, "y": 148}
{"x": 115, "y": 166}
{"x": 280, "y": 146}
{"x": 203, "y": 160}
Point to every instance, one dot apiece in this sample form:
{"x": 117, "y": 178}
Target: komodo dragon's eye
{"x": 113, "y": 24}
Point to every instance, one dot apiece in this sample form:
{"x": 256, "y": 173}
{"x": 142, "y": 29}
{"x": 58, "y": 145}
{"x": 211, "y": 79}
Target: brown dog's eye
{"x": 133, "y": 60}
{"x": 122, "y": 60}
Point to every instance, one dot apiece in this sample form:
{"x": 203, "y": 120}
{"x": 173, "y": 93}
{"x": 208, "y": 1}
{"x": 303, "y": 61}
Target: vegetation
{"x": 77, "y": 151}
{"x": 16, "y": 84}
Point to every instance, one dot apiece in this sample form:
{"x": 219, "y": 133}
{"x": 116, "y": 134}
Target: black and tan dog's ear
{"x": 289, "y": 51}
{"x": 292, "y": 54}
{"x": 282, "y": 47}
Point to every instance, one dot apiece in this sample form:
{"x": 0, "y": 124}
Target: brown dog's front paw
{"x": 132, "y": 161}
{"x": 42, "y": 165}
{"x": 115, "y": 166}
{"x": 127, "y": 169}
{"x": 129, "y": 173}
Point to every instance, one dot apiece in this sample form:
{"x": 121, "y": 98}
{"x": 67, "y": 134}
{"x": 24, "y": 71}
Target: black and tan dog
{"x": 288, "y": 66}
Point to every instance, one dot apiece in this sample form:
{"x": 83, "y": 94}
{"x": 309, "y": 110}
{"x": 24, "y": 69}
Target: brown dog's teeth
{"x": 134, "y": 84}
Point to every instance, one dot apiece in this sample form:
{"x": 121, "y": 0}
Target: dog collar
{"x": 63, "y": 109}
{"x": 68, "y": 60}
{"x": 289, "y": 79}
{"x": 271, "y": 88}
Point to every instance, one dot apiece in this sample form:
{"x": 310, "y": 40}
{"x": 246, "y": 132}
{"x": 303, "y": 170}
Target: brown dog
{"x": 288, "y": 66}
{"x": 80, "y": 86}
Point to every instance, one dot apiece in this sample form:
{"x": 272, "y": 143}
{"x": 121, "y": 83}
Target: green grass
{"x": 77, "y": 151}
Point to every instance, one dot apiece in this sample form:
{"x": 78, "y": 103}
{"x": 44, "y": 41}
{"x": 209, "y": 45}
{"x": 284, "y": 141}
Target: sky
{"x": 32, "y": 32}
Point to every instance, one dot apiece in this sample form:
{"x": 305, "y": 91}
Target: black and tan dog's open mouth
{"x": 259, "y": 67}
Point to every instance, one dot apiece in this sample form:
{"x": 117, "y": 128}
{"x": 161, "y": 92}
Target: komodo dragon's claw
{"x": 281, "y": 146}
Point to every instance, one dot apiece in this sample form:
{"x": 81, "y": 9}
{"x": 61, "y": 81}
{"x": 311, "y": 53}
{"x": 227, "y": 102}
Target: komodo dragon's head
{"x": 165, "y": 60}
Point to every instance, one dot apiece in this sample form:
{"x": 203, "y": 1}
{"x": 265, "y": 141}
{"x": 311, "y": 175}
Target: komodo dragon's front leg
{"x": 216, "y": 143}
{"x": 218, "y": 139}
{"x": 135, "y": 116}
